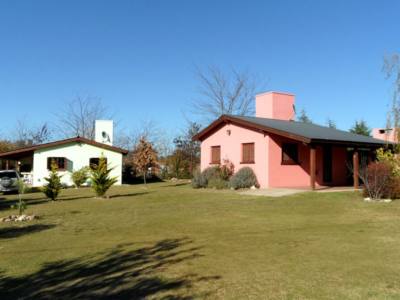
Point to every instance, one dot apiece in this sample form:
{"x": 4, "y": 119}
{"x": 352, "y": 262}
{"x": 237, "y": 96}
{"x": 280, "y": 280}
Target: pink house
{"x": 282, "y": 152}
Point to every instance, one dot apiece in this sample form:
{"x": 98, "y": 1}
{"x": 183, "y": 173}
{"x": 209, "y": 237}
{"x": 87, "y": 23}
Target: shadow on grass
{"x": 116, "y": 274}
{"x": 4, "y": 205}
{"x": 130, "y": 194}
{"x": 7, "y": 203}
{"x": 14, "y": 232}
{"x": 176, "y": 184}
{"x": 111, "y": 196}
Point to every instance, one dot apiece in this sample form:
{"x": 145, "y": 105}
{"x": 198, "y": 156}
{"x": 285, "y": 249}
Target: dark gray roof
{"x": 311, "y": 131}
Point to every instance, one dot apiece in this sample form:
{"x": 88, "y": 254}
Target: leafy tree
{"x": 53, "y": 187}
{"x": 21, "y": 205}
{"x": 80, "y": 176}
{"x": 144, "y": 157}
{"x": 101, "y": 179}
{"x": 303, "y": 118}
{"x": 361, "y": 127}
{"x": 330, "y": 123}
{"x": 6, "y": 146}
{"x": 186, "y": 155}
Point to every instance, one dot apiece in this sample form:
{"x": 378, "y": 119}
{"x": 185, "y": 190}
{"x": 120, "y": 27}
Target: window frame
{"x": 291, "y": 161}
{"x": 215, "y": 162}
{"x": 56, "y": 158}
{"x": 250, "y": 161}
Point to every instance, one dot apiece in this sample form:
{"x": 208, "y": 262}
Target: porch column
{"x": 7, "y": 166}
{"x": 356, "y": 169}
{"x": 312, "y": 166}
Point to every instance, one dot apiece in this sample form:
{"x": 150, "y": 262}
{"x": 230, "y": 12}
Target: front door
{"x": 327, "y": 161}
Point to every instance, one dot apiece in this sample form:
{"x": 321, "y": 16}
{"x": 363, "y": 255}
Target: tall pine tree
{"x": 101, "y": 179}
{"x": 53, "y": 187}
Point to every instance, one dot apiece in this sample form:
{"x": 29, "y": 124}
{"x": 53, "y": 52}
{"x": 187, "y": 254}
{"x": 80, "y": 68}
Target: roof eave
{"x": 250, "y": 125}
{"x": 63, "y": 142}
{"x": 349, "y": 143}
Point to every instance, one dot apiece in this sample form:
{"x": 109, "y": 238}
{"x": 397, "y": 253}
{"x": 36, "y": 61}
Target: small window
{"x": 290, "y": 154}
{"x": 94, "y": 162}
{"x": 248, "y": 153}
{"x": 61, "y": 163}
{"x": 216, "y": 154}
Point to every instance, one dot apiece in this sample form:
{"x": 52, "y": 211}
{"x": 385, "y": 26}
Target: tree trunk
{"x": 144, "y": 178}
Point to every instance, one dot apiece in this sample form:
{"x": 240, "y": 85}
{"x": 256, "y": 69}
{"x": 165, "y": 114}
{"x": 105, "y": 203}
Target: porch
{"x": 356, "y": 156}
{"x": 21, "y": 162}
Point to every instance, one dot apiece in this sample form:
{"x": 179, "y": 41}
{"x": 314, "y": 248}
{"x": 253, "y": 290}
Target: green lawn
{"x": 168, "y": 241}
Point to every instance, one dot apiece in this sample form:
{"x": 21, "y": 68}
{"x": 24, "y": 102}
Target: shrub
{"x": 211, "y": 172}
{"x": 53, "y": 187}
{"x": 80, "y": 176}
{"x": 227, "y": 169}
{"x": 394, "y": 188}
{"x": 390, "y": 158}
{"x": 199, "y": 180}
{"x": 218, "y": 183}
{"x": 20, "y": 205}
{"x": 378, "y": 180}
{"x": 101, "y": 179}
{"x": 244, "y": 178}
{"x": 213, "y": 177}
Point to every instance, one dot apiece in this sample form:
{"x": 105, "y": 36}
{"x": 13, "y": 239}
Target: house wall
{"x": 268, "y": 158}
{"x": 78, "y": 155}
{"x": 231, "y": 149}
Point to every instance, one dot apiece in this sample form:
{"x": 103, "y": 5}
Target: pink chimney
{"x": 275, "y": 105}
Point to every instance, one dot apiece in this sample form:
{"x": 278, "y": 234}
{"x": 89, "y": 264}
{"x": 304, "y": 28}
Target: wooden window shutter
{"x": 248, "y": 153}
{"x": 216, "y": 154}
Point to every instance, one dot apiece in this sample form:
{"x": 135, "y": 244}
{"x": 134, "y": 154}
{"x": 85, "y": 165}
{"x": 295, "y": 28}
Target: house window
{"x": 248, "y": 153}
{"x": 61, "y": 163}
{"x": 216, "y": 154}
{"x": 94, "y": 162}
{"x": 290, "y": 154}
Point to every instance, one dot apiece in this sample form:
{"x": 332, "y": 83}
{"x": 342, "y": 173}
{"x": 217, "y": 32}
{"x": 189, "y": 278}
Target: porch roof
{"x": 25, "y": 151}
{"x": 304, "y": 132}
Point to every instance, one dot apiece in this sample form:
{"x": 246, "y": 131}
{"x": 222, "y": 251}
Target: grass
{"x": 168, "y": 241}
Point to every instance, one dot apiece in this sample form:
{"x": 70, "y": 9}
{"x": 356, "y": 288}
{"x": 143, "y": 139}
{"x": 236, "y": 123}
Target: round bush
{"x": 244, "y": 178}
{"x": 199, "y": 180}
{"x": 211, "y": 172}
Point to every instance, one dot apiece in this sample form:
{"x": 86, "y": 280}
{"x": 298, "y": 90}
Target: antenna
{"x": 294, "y": 112}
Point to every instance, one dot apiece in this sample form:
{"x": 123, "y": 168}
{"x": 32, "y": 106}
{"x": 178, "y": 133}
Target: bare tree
{"x": 151, "y": 132}
{"x": 28, "y": 134}
{"x": 225, "y": 93}
{"x": 80, "y": 115}
{"x": 391, "y": 68}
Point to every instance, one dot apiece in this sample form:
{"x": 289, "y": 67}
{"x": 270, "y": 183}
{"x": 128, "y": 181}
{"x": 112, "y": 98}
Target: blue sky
{"x": 139, "y": 56}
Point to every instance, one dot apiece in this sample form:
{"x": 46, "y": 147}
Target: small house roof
{"x": 304, "y": 132}
{"x": 61, "y": 142}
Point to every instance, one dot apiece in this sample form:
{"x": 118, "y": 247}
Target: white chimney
{"x": 104, "y": 131}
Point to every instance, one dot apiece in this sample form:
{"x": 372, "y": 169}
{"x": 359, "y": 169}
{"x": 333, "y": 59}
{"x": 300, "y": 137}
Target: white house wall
{"x": 77, "y": 155}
